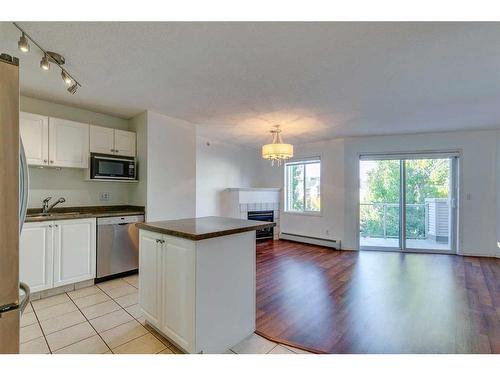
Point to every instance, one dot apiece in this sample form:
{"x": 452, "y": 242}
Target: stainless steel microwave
{"x": 112, "y": 167}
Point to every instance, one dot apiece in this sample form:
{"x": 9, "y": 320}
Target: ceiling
{"x": 236, "y": 80}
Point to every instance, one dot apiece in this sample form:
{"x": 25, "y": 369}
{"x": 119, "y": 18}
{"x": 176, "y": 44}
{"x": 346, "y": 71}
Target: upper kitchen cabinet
{"x": 68, "y": 143}
{"x": 102, "y": 140}
{"x": 35, "y": 135}
{"x": 112, "y": 141}
{"x": 124, "y": 143}
{"x": 54, "y": 142}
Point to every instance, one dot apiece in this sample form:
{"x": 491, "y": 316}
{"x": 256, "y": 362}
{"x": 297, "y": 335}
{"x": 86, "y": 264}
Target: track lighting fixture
{"x": 72, "y": 89}
{"x": 44, "y": 63}
{"x": 23, "y": 44}
{"x": 48, "y": 58}
{"x": 66, "y": 78}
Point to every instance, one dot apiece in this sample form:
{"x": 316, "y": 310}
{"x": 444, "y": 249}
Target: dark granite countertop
{"x": 66, "y": 213}
{"x": 204, "y": 227}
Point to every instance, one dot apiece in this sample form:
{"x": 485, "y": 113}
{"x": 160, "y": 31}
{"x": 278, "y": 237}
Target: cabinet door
{"x": 68, "y": 143}
{"x": 178, "y": 294}
{"x": 35, "y": 135}
{"x": 74, "y": 251}
{"x": 149, "y": 275}
{"x": 102, "y": 139}
{"x": 124, "y": 143}
{"x": 35, "y": 255}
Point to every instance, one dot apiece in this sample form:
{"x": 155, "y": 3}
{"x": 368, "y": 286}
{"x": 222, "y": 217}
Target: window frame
{"x": 303, "y": 161}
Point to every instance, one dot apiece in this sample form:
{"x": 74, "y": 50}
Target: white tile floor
{"x": 105, "y": 319}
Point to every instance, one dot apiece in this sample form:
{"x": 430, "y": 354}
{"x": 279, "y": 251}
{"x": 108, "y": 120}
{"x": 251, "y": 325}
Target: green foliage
{"x": 425, "y": 178}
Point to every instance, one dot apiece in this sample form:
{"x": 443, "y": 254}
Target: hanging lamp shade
{"x": 277, "y": 151}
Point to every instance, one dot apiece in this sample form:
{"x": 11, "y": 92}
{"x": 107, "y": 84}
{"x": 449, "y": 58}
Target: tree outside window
{"x": 302, "y": 187}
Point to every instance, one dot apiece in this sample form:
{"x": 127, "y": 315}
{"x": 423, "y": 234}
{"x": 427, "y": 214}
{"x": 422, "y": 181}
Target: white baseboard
{"x": 335, "y": 244}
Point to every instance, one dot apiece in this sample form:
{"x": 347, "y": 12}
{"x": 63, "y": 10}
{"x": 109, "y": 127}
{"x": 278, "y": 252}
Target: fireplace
{"x": 266, "y": 233}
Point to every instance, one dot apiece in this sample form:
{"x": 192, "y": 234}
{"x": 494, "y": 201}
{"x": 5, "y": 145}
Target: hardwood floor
{"x": 377, "y": 302}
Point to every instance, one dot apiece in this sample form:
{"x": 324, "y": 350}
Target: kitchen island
{"x": 197, "y": 280}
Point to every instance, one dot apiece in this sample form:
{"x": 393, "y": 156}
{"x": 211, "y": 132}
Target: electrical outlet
{"x": 104, "y": 196}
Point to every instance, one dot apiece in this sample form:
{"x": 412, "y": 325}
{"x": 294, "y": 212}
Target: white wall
{"x": 69, "y": 183}
{"x": 171, "y": 168}
{"x": 138, "y": 191}
{"x": 220, "y": 166}
{"x": 340, "y": 165}
{"x": 46, "y": 108}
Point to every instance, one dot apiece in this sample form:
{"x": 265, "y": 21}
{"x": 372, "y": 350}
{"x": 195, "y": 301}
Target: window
{"x": 302, "y": 186}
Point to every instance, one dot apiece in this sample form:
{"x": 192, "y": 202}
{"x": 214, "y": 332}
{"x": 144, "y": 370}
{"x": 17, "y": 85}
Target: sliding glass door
{"x": 408, "y": 203}
{"x": 379, "y": 208}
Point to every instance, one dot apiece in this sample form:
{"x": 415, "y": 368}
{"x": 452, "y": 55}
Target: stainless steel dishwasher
{"x": 117, "y": 245}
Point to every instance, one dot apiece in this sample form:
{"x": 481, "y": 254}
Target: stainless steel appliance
{"x": 13, "y": 200}
{"x": 112, "y": 167}
{"x": 117, "y": 245}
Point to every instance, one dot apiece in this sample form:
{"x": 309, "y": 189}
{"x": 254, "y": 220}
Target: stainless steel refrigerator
{"x": 13, "y": 204}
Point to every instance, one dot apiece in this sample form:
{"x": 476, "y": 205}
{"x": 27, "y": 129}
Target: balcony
{"x": 427, "y": 225}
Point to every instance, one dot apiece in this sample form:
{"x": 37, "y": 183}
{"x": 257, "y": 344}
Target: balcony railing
{"x": 423, "y": 220}
{"x": 381, "y": 220}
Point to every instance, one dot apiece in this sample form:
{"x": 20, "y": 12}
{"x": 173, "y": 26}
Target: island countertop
{"x": 202, "y": 228}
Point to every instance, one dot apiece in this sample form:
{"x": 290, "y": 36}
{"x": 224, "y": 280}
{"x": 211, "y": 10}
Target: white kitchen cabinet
{"x": 56, "y": 253}
{"x": 35, "y": 135}
{"x": 74, "y": 251}
{"x": 124, "y": 143}
{"x": 149, "y": 264}
{"x": 199, "y": 294}
{"x": 102, "y": 140}
{"x": 178, "y": 291}
{"x": 35, "y": 255}
{"x": 112, "y": 141}
{"x": 68, "y": 143}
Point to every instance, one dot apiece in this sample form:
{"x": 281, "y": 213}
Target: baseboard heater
{"x": 335, "y": 244}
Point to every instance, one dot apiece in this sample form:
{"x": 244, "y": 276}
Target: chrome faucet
{"x": 46, "y": 207}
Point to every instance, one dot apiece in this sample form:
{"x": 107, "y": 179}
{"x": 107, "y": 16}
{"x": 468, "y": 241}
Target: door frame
{"x": 455, "y": 190}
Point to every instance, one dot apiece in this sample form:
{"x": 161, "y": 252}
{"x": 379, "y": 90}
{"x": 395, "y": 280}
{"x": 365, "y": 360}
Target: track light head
{"x": 66, "y": 78}
{"x": 72, "y": 89}
{"x": 23, "y": 44}
{"x": 44, "y": 63}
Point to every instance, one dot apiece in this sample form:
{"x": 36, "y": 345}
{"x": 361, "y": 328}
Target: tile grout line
{"x": 41, "y": 329}
{"x": 88, "y": 321}
{"x": 123, "y": 308}
{"x": 167, "y": 346}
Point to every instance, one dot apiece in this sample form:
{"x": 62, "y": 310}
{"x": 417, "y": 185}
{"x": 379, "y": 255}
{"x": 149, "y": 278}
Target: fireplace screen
{"x": 263, "y": 216}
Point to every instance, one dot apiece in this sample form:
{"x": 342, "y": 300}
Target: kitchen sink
{"x": 53, "y": 214}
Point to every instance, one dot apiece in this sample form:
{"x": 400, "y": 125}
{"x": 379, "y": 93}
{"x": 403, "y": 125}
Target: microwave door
{"x": 104, "y": 167}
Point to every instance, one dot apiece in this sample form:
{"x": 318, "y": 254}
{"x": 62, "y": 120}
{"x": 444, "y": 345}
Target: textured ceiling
{"x": 236, "y": 80}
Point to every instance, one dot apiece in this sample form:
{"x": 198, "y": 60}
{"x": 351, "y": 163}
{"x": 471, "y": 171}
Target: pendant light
{"x": 23, "y": 44}
{"x": 277, "y": 151}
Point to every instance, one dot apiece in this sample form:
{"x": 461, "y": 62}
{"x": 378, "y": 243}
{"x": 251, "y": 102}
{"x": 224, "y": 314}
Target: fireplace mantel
{"x": 253, "y": 189}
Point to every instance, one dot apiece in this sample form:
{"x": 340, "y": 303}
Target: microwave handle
{"x": 108, "y": 158}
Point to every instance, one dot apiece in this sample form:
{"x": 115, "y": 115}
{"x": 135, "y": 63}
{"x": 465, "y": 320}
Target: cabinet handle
{"x": 50, "y": 225}
{"x": 45, "y": 161}
{"x": 57, "y": 225}
{"x": 52, "y": 162}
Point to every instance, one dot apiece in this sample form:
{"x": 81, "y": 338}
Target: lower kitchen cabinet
{"x": 35, "y": 256}
{"x": 74, "y": 251}
{"x": 149, "y": 264}
{"x": 199, "y": 294}
{"x": 57, "y": 253}
{"x": 167, "y": 286}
